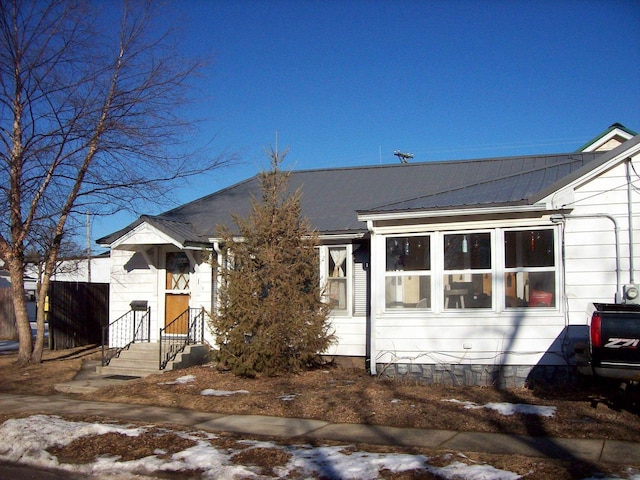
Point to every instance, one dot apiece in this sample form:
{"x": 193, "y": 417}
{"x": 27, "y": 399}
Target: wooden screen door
{"x": 177, "y": 292}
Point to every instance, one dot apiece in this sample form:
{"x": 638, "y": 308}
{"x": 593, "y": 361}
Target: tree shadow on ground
{"x": 80, "y": 352}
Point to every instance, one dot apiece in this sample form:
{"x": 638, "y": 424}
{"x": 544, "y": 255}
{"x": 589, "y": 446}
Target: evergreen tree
{"x": 271, "y": 318}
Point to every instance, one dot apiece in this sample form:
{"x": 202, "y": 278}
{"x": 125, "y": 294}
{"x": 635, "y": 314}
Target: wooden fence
{"x": 8, "y": 329}
{"x": 77, "y": 313}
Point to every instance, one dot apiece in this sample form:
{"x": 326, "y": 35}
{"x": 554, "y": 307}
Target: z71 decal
{"x": 622, "y": 343}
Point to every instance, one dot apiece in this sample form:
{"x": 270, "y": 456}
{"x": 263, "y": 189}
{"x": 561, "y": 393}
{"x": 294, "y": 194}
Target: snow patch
{"x": 473, "y": 472}
{"x": 180, "y": 380}
{"x": 220, "y": 393}
{"x": 25, "y": 440}
{"x": 288, "y": 398}
{"x": 506, "y": 408}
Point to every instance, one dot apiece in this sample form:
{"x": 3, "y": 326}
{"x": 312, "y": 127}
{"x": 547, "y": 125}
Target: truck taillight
{"x": 596, "y": 337}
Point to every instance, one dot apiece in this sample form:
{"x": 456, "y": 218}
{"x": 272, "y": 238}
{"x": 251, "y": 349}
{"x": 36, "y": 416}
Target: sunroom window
{"x": 408, "y": 272}
{"x": 467, "y": 270}
{"x": 530, "y": 277}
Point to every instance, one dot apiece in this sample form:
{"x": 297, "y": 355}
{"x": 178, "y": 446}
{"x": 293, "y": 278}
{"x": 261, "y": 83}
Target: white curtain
{"x": 338, "y": 256}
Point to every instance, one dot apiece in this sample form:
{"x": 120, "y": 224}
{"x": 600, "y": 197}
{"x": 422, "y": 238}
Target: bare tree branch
{"x": 89, "y": 118}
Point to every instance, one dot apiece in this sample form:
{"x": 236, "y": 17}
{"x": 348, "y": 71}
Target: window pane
{"x": 529, "y": 248}
{"x": 467, "y": 251}
{"x": 337, "y": 262}
{"x": 177, "y": 271}
{"x": 337, "y": 293}
{"x": 530, "y": 289}
{"x": 468, "y": 291}
{"x": 409, "y": 291}
{"x": 408, "y": 253}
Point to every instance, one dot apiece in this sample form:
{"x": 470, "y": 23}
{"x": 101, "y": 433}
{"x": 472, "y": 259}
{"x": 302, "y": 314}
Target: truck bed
{"x": 613, "y": 349}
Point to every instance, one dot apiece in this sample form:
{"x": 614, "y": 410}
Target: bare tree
{"x": 91, "y": 115}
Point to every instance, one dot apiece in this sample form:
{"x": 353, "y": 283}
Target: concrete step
{"x": 143, "y": 359}
{"x": 139, "y": 360}
{"x": 191, "y": 355}
{"x": 140, "y": 355}
{"x": 125, "y": 362}
{"x": 143, "y": 348}
{"x": 114, "y": 370}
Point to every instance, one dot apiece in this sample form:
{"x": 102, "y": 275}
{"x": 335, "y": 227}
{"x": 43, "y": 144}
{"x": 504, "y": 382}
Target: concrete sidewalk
{"x": 594, "y": 451}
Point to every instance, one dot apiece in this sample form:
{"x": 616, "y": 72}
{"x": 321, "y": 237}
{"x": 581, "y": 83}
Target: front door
{"x": 177, "y": 293}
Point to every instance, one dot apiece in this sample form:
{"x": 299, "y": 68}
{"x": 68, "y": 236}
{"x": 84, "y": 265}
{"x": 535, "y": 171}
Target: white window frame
{"x": 325, "y": 277}
{"x": 497, "y": 271}
{"x": 401, "y": 274}
{"x": 492, "y": 270}
{"x": 555, "y": 268}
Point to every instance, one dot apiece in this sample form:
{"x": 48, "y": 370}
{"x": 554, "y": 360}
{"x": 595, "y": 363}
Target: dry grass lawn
{"x": 345, "y": 396}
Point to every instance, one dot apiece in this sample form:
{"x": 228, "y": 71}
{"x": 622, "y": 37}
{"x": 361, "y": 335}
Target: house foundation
{"x": 500, "y": 376}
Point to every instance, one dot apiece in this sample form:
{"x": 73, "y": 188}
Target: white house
{"x": 462, "y": 272}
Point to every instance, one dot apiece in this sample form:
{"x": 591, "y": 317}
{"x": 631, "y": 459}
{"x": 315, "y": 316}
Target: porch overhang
{"x": 341, "y": 237}
{"x": 375, "y": 216}
{"x": 143, "y": 237}
{"x": 325, "y": 237}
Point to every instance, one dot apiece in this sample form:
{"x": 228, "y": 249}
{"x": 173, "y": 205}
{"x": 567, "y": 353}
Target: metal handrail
{"x": 133, "y": 326}
{"x": 186, "y": 329}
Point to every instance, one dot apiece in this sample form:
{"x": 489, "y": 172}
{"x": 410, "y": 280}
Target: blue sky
{"x": 348, "y": 82}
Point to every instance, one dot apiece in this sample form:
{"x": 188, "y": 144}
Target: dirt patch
{"x": 125, "y": 447}
{"x": 266, "y": 459}
{"x": 40, "y": 379}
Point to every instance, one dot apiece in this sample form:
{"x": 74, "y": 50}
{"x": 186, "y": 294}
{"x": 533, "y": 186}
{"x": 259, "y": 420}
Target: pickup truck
{"x": 613, "y": 347}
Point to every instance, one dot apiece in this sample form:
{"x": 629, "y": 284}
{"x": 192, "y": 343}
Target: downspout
{"x": 560, "y": 217}
{"x": 372, "y": 299}
{"x": 630, "y": 220}
{"x": 214, "y": 293}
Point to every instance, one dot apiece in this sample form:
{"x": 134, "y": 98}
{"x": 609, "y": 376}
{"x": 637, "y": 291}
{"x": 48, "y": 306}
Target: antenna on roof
{"x": 403, "y": 156}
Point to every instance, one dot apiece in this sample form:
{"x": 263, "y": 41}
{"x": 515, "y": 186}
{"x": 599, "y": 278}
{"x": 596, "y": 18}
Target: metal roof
{"x": 331, "y": 198}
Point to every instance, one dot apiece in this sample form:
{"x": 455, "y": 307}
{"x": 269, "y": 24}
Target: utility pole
{"x": 88, "y": 246}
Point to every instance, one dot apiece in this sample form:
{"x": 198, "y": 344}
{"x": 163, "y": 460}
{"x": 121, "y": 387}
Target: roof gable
{"x": 147, "y": 231}
{"x": 611, "y": 138}
{"x": 603, "y": 162}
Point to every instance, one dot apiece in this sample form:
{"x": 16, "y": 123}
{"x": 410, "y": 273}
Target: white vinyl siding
{"x": 136, "y": 276}
{"x": 360, "y": 282}
{"x": 526, "y": 339}
{"x": 590, "y": 263}
{"x": 132, "y": 278}
{"x": 350, "y": 330}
